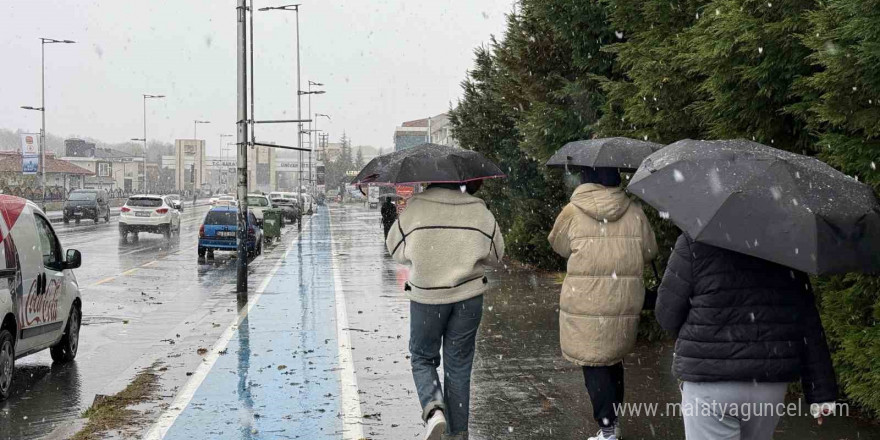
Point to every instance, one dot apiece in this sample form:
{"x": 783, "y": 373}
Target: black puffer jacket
{"x": 740, "y": 318}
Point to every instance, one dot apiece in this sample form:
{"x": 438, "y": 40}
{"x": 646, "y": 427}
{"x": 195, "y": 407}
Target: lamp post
{"x": 295, "y": 8}
{"x": 146, "y": 97}
{"x": 310, "y": 92}
{"x": 318, "y": 115}
{"x": 42, "y": 109}
{"x": 222, "y": 149}
{"x": 196, "y": 127}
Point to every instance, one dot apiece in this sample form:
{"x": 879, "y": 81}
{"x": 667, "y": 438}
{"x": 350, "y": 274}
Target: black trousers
{"x": 605, "y": 386}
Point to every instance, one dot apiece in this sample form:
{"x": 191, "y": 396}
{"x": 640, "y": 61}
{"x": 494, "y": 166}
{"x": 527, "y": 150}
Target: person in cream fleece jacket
{"x": 447, "y": 237}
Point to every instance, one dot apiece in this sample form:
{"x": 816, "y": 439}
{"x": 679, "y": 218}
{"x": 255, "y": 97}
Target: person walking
{"x": 447, "y": 236}
{"x": 745, "y": 328}
{"x": 607, "y": 240}
{"x": 389, "y": 215}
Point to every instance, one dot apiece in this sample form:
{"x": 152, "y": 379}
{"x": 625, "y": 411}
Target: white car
{"x": 224, "y": 200}
{"x": 40, "y": 302}
{"x": 149, "y": 213}
{"x": 257, "y": 203}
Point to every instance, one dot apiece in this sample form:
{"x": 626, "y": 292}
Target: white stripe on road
{"x": 352, "y": 418}
{"x": 188, "y": 390}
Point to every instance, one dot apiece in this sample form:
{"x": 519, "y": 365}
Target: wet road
{"x": 133, "y": 293}
{"x": 327, "y": 321}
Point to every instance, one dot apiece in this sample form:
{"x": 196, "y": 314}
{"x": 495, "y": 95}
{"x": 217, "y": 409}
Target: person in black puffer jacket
{"x": 746, "y": 327}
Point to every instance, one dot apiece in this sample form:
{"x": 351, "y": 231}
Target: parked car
{"x": 257, "y": 203}
{"x": 178, "y": 203}
{"x": 40, "y": 302}
{"x": 218, "y": 232}
{"x": 149, "y": 213}
{"x": 86, "y": 203}
{"x": 289, "y": 206}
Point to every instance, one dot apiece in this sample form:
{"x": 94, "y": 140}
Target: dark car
{"x": 289, "y": 208}
{"x": 87, "y": 203}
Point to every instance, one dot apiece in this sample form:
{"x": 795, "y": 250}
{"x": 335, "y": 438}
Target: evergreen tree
{"x": 649, "y": 93}
{"x": 746, "y": 56}
{"x": 842, "y": 104}
{"x": 359, "y": 159}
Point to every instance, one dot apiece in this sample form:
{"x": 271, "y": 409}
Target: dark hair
{"x": 602, "y": 175}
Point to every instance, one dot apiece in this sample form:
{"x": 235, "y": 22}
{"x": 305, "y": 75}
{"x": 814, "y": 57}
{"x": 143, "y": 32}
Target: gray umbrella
{"x": 616, "y": 152}
{"x": 772, "y": 204}
{"x": 427, "y": 163}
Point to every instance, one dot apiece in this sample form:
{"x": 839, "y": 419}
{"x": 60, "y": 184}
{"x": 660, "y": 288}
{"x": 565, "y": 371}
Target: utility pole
{"x": 298, "y": 102}
{"x": 242, "y": 138}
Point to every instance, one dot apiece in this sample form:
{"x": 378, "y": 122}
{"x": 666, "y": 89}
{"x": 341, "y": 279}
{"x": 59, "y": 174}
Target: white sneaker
{"x": 600, "y": 436}
{"x": 436, "y": 426}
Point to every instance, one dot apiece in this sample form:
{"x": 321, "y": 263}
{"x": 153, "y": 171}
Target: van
{"x": 40, "y": 302}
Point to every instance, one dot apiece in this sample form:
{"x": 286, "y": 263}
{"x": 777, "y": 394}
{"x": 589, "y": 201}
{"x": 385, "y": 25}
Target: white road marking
{"x": 188, "y": 390}
{"x": 352, "y": 417}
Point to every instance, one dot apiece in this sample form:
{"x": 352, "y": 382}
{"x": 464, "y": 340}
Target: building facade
{"x": 109, "y": 169}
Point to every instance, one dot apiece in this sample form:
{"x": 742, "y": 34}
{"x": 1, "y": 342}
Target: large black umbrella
{"x": 427, "y": 163}
{"x": 776, "y": 205}
{"x": 616, "y": 152}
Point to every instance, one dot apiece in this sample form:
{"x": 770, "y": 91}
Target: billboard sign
{"x": 30, "y": 144}
{"x": 30, "y": 151}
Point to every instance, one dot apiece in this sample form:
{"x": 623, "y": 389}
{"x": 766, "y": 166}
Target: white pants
{"x": 731, "y": 410}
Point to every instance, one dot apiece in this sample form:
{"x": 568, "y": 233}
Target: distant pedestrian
{"x": 389, "y": 215}
{"x": 607, "y": 240}
{"x": 447, "y": 236}
{"x": 746, "y": 327}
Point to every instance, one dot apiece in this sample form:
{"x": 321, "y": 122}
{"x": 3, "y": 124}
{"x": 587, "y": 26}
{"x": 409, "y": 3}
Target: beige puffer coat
{"x": 607, "y": 240}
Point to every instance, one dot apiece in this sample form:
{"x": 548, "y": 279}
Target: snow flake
{"x": 664, "y": 215}
{"x": 676, "y": 174}
{"x": 760, "y": 49}
{"x": 619, "y": 34}
{"x": 776, "y": 192}
{"x": 614, "y": 275}
{"x": 873, "y": 166}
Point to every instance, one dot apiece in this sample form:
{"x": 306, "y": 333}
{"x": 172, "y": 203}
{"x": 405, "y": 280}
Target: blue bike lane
{"x": 283, "y": 369}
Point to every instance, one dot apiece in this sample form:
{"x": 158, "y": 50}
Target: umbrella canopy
{"x": 772, "y": 204}
{"x": 616, "y": 152}
{"x": 427, "y": 163}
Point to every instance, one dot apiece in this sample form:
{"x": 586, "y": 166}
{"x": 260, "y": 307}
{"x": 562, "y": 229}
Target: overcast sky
{"x": 382, "y": 62}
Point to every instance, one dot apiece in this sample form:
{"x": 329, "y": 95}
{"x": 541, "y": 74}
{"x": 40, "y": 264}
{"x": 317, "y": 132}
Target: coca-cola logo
{"x": 41, "y": 308}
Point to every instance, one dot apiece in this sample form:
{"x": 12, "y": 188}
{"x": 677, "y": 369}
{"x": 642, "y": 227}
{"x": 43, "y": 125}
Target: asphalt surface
{"x": 326, "y": 320}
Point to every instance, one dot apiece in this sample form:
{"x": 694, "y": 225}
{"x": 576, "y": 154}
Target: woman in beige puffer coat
{"x": 607, "y": 240}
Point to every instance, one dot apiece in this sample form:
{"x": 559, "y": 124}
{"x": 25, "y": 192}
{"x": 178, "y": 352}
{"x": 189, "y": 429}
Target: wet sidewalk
{"x": 322, "y": 354}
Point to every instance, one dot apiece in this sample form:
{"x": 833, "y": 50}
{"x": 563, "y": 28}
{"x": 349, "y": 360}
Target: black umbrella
{"x": 616, "y": 152}
{"x": 776, "y": 205}
{"x": 427, "y": 163}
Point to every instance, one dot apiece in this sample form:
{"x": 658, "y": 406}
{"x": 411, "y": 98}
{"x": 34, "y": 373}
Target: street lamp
{"x": 196, "y": 126}
{"x": 311, "y": 92}
{"x": 42, "y": 109}
{"x": 295, "y": 8}
{"x": 144, "y": 139}
{"x": 317, "y": 115}
{"x": 222, "y": 149}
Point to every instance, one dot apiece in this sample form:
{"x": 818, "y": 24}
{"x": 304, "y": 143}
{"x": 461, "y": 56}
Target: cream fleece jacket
{"x": 447, "y": 237}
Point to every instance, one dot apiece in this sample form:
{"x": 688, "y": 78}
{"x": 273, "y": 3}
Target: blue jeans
{"x": 454, "y": 326}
